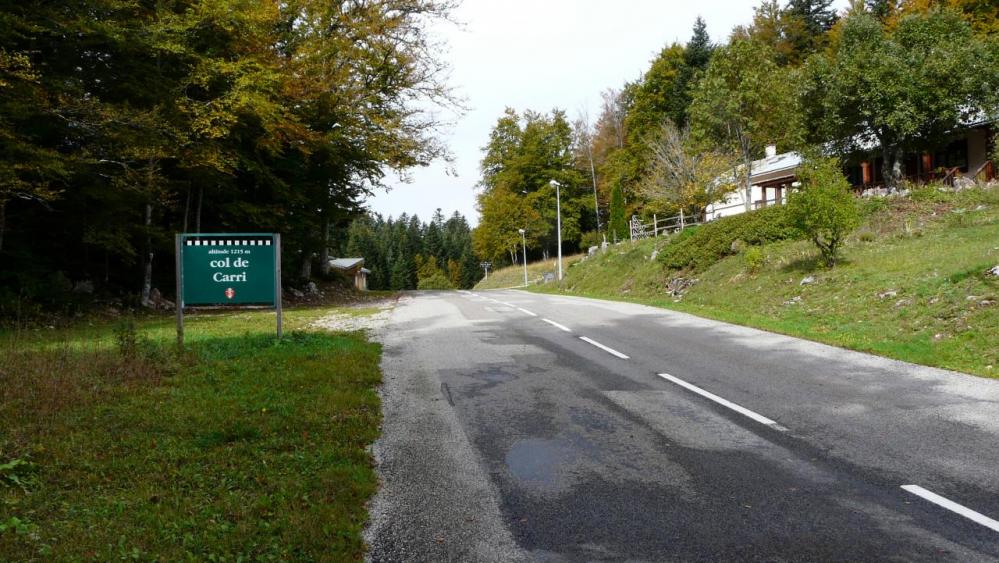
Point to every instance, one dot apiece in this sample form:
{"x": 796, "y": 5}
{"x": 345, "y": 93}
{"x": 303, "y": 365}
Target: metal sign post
{"x": 486, "y": 266}
{"x": 228, "y": 270}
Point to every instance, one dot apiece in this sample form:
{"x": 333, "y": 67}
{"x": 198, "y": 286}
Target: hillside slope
{"x": 915, "y": 283}
{"x": 513, "y": 276}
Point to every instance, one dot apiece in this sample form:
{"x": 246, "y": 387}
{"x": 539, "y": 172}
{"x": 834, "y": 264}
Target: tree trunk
{"x": 307, "y": 266}
{"x": 593, "y": 176}
{"x": 324, "y": 254}
{"x": 3, "y": 221}
{"x": 187, "y": 208}
{"x": 748, "y": 162}
{"x": 147, "y": 259}
{"x": 891, "y": 166}
{"x": 197, "y": 213}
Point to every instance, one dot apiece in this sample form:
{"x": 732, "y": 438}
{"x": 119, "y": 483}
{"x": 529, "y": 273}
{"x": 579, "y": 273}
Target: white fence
{"x": 664, "y": 226}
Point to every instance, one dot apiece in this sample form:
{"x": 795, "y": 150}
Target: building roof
{"x": 781, "y": 162}
{"x": 346, "y": 263}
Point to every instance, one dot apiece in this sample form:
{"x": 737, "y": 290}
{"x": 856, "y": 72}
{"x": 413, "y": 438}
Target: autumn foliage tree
{"x": 900, "y": 88}
{"x": 122, "y": 123}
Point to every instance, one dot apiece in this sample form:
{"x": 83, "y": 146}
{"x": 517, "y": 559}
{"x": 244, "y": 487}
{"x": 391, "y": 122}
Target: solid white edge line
{"x": 611, "y": 351}
{"x": 556, "y": 325}
{"x": 526, "y": 312}
{"x": 724, "y": 402}
{"x": 953, "y": 506}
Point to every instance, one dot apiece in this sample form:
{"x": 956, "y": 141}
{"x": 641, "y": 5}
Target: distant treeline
{"x": 405, "y": 253}
{"x": 122, "y": 123}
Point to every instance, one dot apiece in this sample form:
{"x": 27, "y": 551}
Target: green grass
{"x": 513, "y": 276}
{"x": 114, "y": 447}
{"x": 932, "y": 251}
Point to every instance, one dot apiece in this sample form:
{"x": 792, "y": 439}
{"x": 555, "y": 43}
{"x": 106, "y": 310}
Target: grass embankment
{"x": 113, "y": 447}
{"x": 513, "y": 276}
{"x": 912, "y": 284}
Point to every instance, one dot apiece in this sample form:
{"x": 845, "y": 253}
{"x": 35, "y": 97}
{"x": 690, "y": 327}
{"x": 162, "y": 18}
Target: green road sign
{"x": 228, "y": 269}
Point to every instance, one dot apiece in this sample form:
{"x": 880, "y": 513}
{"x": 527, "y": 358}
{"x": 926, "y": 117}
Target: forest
{"x": 124, "y": 122}
{"x": 405, "y": 253}
{"x": 897, "y": 74}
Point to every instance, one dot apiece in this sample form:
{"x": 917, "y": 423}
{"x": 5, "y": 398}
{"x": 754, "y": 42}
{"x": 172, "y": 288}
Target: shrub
{"x": 824, "y": 209}
{"x": 590, "y": 238}
{"x": 754, "y": 258}
{"x": 712, "y": 241}
{"x": 436, "y": 281}
{"x": 866, "y": 236}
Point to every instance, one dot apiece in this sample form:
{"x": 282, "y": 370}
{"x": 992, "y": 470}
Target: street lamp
{"x": 558, "y": 218}
{"x": 523, "y": 241}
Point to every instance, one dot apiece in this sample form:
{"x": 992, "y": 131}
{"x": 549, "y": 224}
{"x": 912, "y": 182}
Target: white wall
{"x": 735, "y": 203}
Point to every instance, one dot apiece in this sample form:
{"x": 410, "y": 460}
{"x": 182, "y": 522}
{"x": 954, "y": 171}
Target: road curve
{"x": 521, "y": 426}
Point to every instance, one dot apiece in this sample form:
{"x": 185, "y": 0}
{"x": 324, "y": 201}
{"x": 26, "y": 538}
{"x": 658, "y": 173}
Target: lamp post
{"x": 523, "y": 241}
{"x": 558, "y": 218}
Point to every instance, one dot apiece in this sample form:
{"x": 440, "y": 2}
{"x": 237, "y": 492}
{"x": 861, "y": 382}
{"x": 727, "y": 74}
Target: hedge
{"x": 710, "y": 242}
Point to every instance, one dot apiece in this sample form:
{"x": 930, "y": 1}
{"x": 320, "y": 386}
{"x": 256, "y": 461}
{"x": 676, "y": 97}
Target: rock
{"x": 312, "y": 288}
{"x": 972, "y": 298}
{"x": 963, "y": 183}
{"x": 986, "y": 303}
{"x": 891, "y": 293}
{"x": 939, "y": 336}
{"x": 592, "y": 250}
{"x": 807, "y": 280}
{"x": 655, "y": 253}
{"x": 84, "y": 286}
{"x": 157, "y": 301}
{"x": 993, "y": 272}
{"x": 677, "y": 286}
{"x": 794, "y": 300}
{"x": 296, "y": 293}
{"x": 903, "y": 303}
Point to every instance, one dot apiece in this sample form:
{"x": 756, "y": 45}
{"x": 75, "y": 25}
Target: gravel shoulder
{"x": 435, "y": 502}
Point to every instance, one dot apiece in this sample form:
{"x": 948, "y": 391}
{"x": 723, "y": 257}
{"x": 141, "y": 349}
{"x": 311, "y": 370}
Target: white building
{"x": 771, "y": 179}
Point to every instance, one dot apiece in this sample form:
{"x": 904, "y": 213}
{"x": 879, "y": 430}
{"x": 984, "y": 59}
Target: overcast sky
{"x": 539, "y": 55}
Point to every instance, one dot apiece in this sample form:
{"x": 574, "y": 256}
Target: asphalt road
{"x": 529, "y": 427}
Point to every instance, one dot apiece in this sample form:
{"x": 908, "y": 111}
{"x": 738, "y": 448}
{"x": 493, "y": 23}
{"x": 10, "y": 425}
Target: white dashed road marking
{"x": 556, "y": 325}
{"x": 953, "y": 506}
{"x": 609, "y": 350}
{"x": 526, "y": 312}
{"x": 724, "y": 402}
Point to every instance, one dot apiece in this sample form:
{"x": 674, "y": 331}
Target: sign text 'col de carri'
{"x": 228, "y": 269}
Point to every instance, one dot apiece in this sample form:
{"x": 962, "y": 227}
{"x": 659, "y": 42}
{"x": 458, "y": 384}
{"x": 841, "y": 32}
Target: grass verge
{"x": 114, "y": 447}
{"x": 513, "y": 276}
{"x": 912, "y": 285}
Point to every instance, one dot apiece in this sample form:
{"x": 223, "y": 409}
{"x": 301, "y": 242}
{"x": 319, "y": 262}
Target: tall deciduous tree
{"x": 744, "y": 102}
{"x": 123, "y": 122}
{"x": 525, "y": 153}
{"x": 900, "y": 88}
{"x": 685, "y": 178}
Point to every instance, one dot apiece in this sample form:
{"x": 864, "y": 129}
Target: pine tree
{"x": 807, "y": 22}
{"x": 697, "y": 52}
